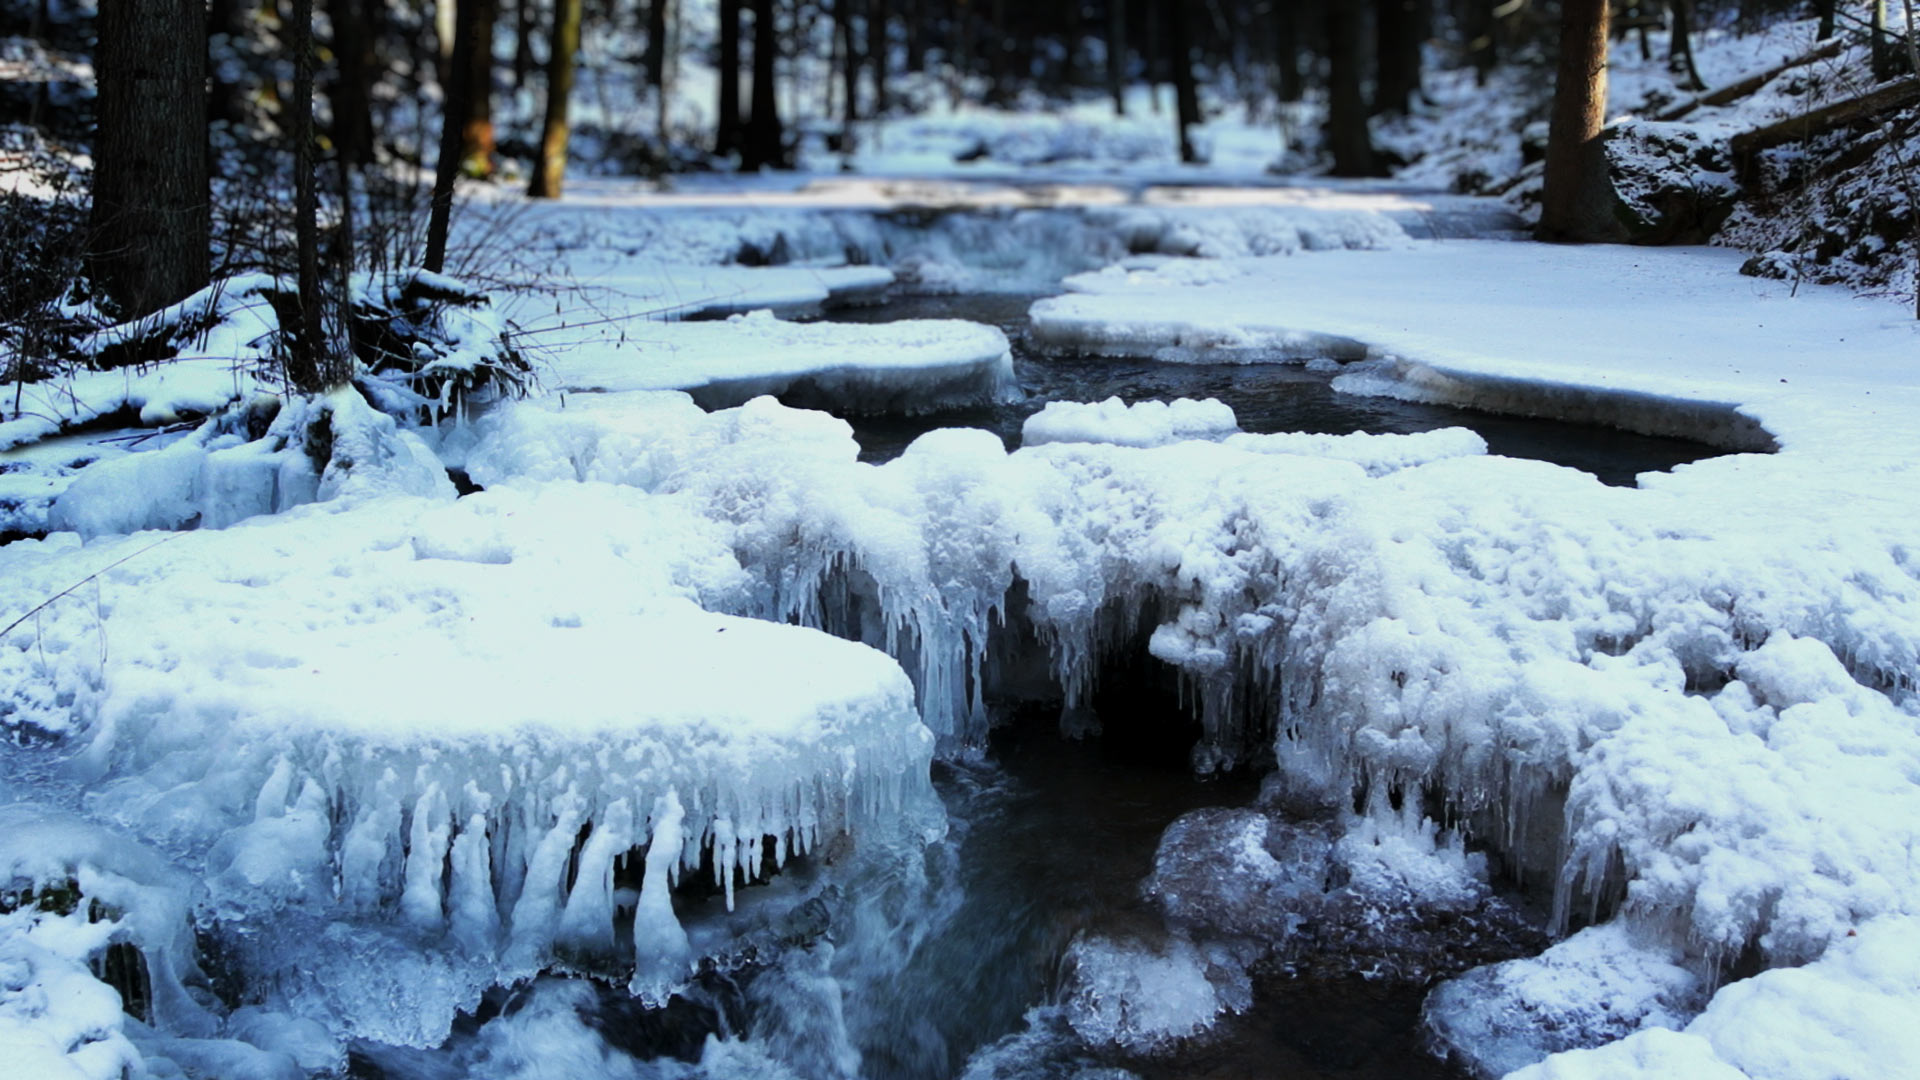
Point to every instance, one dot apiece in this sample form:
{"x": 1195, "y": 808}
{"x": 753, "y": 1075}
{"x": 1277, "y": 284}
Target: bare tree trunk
{"x": 353, "y": 97}
{"x": 476, "y": 140}
{"x": 1680, "y": 46}
{"x": 916, "y": 45}
{"x": 1826, "y": 8}
{"x": 1477, "y": 27}
{"x": 764, "y": 144}
{"x": 1347, "y": 133}
{"x": 1186, "y": 100}
{"x": 726, "y": 138}
{"x": 1572, "y": 200}
{"x": 877, "y": 14}
{"x": 1117, "y": 54}
{"x": 1882, "y": 50}
{"x": 849, "y": 71}
{"x": 446, "y": 167}
{"x": 525, "y": 24}
{"x": 654, "y": 59}
{"x": 550, "y": 168}
{"x": 303, "y": 355}
{"x": 149, "y": 239}
{"x": 1396, "y": 55}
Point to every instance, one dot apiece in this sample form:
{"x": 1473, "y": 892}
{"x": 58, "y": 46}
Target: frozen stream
{"x": 1265, "y": 397}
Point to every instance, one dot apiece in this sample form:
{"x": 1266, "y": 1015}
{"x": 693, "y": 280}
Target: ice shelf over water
{"x": 902, "y": 367}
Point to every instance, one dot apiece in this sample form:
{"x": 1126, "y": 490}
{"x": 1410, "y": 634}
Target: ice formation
{"x": 1146, "y": 423}
{"x": 902, "y": 367}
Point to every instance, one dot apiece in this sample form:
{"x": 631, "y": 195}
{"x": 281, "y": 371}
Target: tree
{"x": 446, "y": 167}
{"x": 1186, "y": 100}
{"x": 1117, "y": 54}
{"x": 726, "y": 136}
{"x": 151, "y": 226}
{"x": 877, "y": 53}
{"x": 1347, "y": 133}
{"x": 304, "y": 367}
{"x": 551, "y": 166}
{"x": 764, "y": 142}
{"x": 353, "y": 94}
{"x": 474, "y": 64}
{"x": 1573, "y": 203}
{"x": 1397, "y": 25}
{"x": 1680, "y": 46}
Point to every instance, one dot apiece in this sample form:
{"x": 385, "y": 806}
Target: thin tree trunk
{"x": 446, "y": 167}
{"x": 1396, "y": 55}
{"x": 849, "y": 50}
{"x": 1347, "y": 133}
{"x": 1286, "y": 49}
{"x": 1882, "y": 52}
{"x": 654, "y": 59}
{"x": 525, "y": 23}
{"x": 476, "y": 140}
{"x": 1477, "y": 25}
{"x": 726, "y": 137}
{"x": 916, "y": 44}
{"x": 1185, "y": 98}
{"x": 1117, "y": 54}
{"x": 764, "y": 145}
{"x": 353, "y": 98}
{"x": 150, "y": 233}
{"x": 1570, "y": 203}
{"x": 304, "y": 368}
{"x": 550, "y": 168}
{"x": 1826, "y": 19}
{"x": 1680, "y": 46}
{"x": 877, "y": 15}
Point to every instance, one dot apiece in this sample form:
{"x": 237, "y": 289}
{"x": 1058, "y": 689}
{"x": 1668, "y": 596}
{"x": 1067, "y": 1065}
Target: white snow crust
{"x": 1145, "y": 423}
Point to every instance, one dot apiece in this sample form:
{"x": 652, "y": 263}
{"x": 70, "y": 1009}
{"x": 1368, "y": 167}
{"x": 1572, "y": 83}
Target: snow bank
{"x": 1147, "y": 423}
{"x": 902, "y": 367}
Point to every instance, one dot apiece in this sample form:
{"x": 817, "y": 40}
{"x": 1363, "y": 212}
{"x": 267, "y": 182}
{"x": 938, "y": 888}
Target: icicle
{"x": 534, "y": 914}
{"x": 723, "y": 856}
{"x": 271, "y": 802}
{"x": 426, "y": 861}
{"x": 475, "y": 924}
{"x": 364, "y": 852}
{"x": 587, "y": 922}
{"x": 661, "y": 953}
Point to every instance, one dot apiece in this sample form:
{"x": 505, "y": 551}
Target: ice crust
{"x": 1143, "y": 424}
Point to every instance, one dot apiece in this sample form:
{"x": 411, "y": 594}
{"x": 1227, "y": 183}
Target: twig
{"x": 49, "y": 601}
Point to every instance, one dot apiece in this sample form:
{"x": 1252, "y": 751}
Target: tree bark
{"x": 654, "y": 59}
{"x": 1186, "y": 100}
{"x": 1476, "y": 25}
{"x": 877, "y": 14}
{"x": 726, "y": 136}
{"x": 764, "y": 143}
{"x": 151, "y": 224}
{"x": 476, "y": 61}
{"x": 1882, "y": 49}
{"x": 1573, "y": 199}
{"x": 353, "y": 96}
{"x": 550, "y": 168}
{"x": 1347, "y": 133}
{"x": 1396, "y": 55}
{"x": 525, "y": 23}
{"x": 304, "y": 367}
{"x": 446, "y": 167}
{"x": 1680, "y": 46}
{"x": 1117, "y": 54}
{"x": 1826, "y": 18}
{"x": 1286, "y": 49}
{"x": 843, "y": 11}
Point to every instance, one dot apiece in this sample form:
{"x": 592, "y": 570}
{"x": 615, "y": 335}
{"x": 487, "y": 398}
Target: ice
{"x": 901, "y": 367}
{"x": 1592, "y": 988}
{"x": 1378, "y": 454}
{"x": 1141, "y": 997}
{"x": 1145, "y": 423}
{"x": 1848, "y": 1014}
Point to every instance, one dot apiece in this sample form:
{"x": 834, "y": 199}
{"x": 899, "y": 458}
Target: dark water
{"x": 1266, "y": 398}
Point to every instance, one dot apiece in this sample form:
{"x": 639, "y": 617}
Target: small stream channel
{"x": 1266, "y": 398}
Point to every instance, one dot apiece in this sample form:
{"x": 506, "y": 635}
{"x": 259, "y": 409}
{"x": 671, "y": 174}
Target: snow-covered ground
{"x": 451, "y": 743}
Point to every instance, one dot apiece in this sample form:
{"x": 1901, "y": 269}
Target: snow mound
{"x": 1596, "y": 986}
{"x": 1146, "y": 423}
{"x": 902, "y": 367}
{"x": 1377, "y": 454}
{"x": 1140, "y": 997}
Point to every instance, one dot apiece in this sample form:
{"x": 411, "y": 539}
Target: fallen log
{"x": 1747, "y": 84}
{"x": 1881, "y": 99}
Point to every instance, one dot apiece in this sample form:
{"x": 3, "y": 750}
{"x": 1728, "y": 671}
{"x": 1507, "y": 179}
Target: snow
{"x": 902, "y": 367}
{"x": 1146, "y": 423}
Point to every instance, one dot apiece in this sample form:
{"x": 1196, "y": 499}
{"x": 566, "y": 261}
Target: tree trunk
{"x": 1573, "y": 202}
{"x": 1000, "y": 55}
{"x": 304, "y": 367}
{"x": 1186, "y": 100}
{"x": 1882, "y": 49}
{"x": 476, "y": 61}
{"x": 1286, "y": 50}
{"x": 654, "y": 59}
{"x": 1347, "y": 133}
{"x": 764, "y": 143}
{"x": 916, "y": 43}
{"x": 1680, "y": 46}
{"x": 1396, "y": 55}
{"x": 726, "y": 138}
{"x": 446, "y": 167}
{"x": 150, "y": 231}
{"x": 843, "y": 11}
{"x": 1117, "y": 54}
{"x": 877, "y": 54}
{"x": 353, "y": 96}
{"x": 525, "y": 23}
{"x": 550, "y": 168}
{"x": 1826, "y": 19}
{"x": 1477, "y": 27}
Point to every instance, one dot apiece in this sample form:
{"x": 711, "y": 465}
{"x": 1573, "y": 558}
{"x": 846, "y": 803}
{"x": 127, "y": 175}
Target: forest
{"x": 957, "y": 540}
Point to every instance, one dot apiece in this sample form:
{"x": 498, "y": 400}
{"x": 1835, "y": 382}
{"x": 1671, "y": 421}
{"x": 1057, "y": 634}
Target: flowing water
{"x": 1265, "y": 397}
